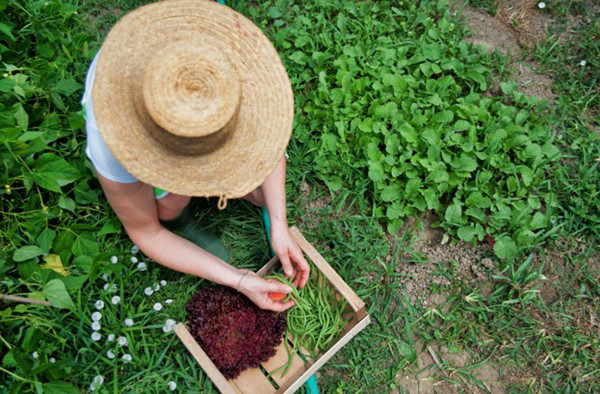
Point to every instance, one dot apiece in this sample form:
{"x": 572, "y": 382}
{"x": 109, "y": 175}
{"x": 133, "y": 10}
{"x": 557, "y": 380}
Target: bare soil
{"x": 495, "y": 34}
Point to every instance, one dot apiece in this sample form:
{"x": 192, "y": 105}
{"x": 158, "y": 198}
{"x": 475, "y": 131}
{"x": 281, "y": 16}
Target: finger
{"x": 286, "y": 264}
{"x": 278, "y": 287}
{"x": 279, "y": 307}
{"x": 303, "y": 267}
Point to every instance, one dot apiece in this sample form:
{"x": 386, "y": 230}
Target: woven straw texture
{"x": 190, "y": 96}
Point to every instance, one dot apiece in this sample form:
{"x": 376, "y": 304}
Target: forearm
{"x": 274, "y": 193}
{"x": 181, "y": 255}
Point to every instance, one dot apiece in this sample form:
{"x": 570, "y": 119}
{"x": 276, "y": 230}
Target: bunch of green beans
{"x": 317, "y": 319}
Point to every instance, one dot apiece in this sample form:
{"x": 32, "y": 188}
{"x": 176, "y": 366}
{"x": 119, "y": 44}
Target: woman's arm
{"x": 135, "y": 207}
{"x": 290, "y": 254}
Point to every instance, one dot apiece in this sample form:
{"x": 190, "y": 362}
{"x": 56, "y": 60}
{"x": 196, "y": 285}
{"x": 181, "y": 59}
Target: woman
{"x": 192, "y": 98}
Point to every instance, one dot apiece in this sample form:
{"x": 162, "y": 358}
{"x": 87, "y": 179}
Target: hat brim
{"x": 265, "y": 116}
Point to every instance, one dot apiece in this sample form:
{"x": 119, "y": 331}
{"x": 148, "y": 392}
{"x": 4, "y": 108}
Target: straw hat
{"x": 190, "y": 96}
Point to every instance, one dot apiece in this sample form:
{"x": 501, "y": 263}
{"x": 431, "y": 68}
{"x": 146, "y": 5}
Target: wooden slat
{"x": 205, "y": 362}
{"x": 281, "y": 358}
{"x": 336, "y": 281}
{"x": 253, "y": 381}
{"x": 298, "y": 381}
{"x": 268, "y": 268}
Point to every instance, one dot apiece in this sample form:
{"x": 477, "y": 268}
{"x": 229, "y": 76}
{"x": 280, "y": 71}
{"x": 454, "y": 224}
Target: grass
{"x": 534, "y": 319}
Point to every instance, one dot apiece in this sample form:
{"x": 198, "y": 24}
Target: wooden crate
{"x": 255, "y": 380}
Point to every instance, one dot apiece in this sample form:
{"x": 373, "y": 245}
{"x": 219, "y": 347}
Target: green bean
{"x": 316, "y": 319}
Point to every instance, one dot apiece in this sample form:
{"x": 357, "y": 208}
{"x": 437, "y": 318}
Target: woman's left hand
{"x": 292, "y": 260}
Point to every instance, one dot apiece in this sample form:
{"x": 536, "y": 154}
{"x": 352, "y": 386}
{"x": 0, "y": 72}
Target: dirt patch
{"x": 499, "y": 34}
{"x": 427, "y": 263}
{"x": 314, "y": 207}
{"x": 441, "y": 371}
{"x": 489, "y": 31}
{"x": 528, "y": 21}
{"x": 532, "y": 83}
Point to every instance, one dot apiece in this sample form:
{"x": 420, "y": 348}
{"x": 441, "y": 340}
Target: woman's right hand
{"x": 258, "y": 289}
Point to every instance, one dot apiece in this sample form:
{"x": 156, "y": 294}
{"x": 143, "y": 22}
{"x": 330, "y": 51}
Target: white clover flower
{"x": 582, "y": 63}
{"x": 96, "y": 336}
{"x": 92, "y": 387}
{"x": 115, "y": 300}
{"x": 128, "y": 322}
{"x": 96, "y": 325}
{"x": 113, "y": 288}
{"x": 110, "y": 354}
{"x": 148, "y": 291}
{"x": 135, "y": 249}
{"x": 99, "y": 304}
{"x": 105, "y": 287}
{"x": 114, "y": 259}
{"x": 156, "y": 287}
{"x": 163, "y": 283}
{"x": 52, "y": 360}
{"x": 122, "y": 341}
{"x": 141, "y": 266}
{"x": 126, "y": 357}
{"x": 542, "y": 5}
{"x": 111, "y": 337}
{"x": 157, "y": 307}
{"x": 169, "y": 325}
{"x": 105, "y": 277}
{"x": 172, "y": 385}
{"x": 96, "y": 316}
{"x": 35, "y": 355}
{"x": 134, "y": 260}
{"x": 169, "y": 301}
{"x": 98, "y": 380}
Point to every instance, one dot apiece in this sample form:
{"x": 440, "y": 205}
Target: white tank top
{"x": 96, "y": 149}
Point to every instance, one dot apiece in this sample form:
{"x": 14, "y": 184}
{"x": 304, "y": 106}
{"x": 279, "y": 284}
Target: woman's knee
{"x": 171, "y": 206}
{"x": 256, "y": 197}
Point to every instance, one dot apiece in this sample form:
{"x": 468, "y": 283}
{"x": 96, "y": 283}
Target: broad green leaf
{"x": 4, "y": 29}
{"x": 505, "y": 247}
{"x": 58, "y": 387}
{"x": 299, "y": 57}
{"x": 334, "y": 184}
{"x": 51, "y": 170}
{"x": 454, "y": 214}
{"x": 538, "y": 221}
{"x": 74, "y": 283}
{"x": 67, "y": 87}
{"x": 521, "y": 117}
{"x": 86, "y": 244}
{"x": 45, "y": 239}
{"x": 27, "y": 252}
{"x": 409, "y": 133}
{"x": 466, "y": 233}
{"x": 56, "y": 292}
{"x": 464, "y": 163}
{"x": 66, "y": 203}
{"x": 112, "y": 226}
{"x": 22, "y": 117}
{"x": 394, "y": 226}
{"x": 394, "y": 211}
{"x": 432, "y": 51}
{"x": 391, "y": 193}
{"x": 526, "y": 175}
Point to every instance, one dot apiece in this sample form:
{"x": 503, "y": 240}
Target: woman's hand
{"x": 292, "y": 260}
{"x": 258, "y": 289}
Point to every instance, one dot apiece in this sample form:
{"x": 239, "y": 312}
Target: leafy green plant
{"x": 407, "y": 107}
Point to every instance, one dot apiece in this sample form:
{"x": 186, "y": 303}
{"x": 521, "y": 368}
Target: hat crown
{"x": 191, "y": 90}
